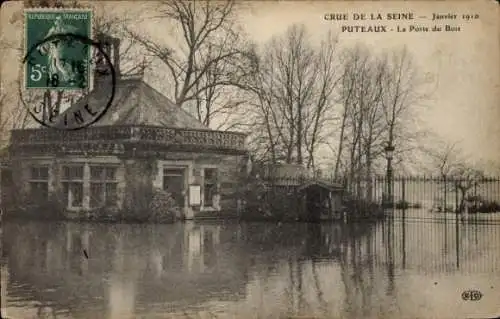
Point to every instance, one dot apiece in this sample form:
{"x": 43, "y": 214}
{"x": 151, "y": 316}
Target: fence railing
{"x": 427, "y": 193}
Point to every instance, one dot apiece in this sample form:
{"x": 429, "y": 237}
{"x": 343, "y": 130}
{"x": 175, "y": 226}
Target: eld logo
{"x": 472, "y": 295}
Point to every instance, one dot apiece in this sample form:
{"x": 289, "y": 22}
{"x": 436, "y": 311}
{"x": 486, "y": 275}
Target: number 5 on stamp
{"x": 52, "y": 61}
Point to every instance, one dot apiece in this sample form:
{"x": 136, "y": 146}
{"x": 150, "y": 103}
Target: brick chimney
{"x": 111, "y": 46}
{"x": 115, "y": 57}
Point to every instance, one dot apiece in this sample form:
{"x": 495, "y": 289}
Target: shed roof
{"x": 333, "y": 187}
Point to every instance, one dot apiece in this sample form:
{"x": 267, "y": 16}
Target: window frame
{"x": 39, "y": 180}
{"x": 68, "y": 181}
{"x": 103, "y": 181}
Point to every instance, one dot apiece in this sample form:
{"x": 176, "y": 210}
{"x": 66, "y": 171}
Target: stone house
{"x": 143, "y": 143}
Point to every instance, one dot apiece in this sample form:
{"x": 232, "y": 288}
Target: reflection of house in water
{"x": 127, "y": 266}
{"x": 4, "y": 279}
{"x": 47, "y": 271}
{"x": 193, "y": 251}
{"x": 201, "y": 242}
{"x": 194, "y": 267}
{"x": 122, "y": 283}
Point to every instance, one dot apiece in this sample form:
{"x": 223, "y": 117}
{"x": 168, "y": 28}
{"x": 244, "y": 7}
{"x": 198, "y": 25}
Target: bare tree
{"x": 13, "y": 115}
{"x": 404, "y": 92}
{"x": 321, "y": 116}
{"x": 263, "y": 119}
{"x": 361, "y": 122}
{"x": 379, "y": 97}
{"x": 362, "y": 110}
{"x": 209, "y": 56}
{"x": 445, "y": 158}
{"x": 295, "y": 87}
{"x": 346, "y": 92}
{"x": 456, "y": 172}
{"x": 466, "y": 178}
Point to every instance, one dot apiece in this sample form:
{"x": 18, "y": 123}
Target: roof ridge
{"x": 175, "y": 104}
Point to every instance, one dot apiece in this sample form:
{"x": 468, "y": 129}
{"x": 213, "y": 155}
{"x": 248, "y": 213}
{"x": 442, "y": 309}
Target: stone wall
{"x": 21, "y": 174}
{"x": 137, "y": 178}
{"x": 21, "y": 170}
{"x": 137, "y": 192}
{"x": 230, "y": 169}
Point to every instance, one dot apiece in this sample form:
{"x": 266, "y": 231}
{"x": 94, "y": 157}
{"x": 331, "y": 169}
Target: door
{"x": 174, "y": 183}
{"x": 314, "y": 201}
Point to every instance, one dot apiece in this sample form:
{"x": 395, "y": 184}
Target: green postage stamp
{"x": 58, "y": 48}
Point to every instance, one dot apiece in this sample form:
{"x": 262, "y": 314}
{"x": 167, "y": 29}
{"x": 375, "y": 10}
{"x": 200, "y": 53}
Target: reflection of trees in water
{"x": 319, "y": 264}
{"x": 319, "y": 291}
{"x": 349, "y": 245}
{"x": 356, "y": 263}
{"x": 367, "y": 259}
{"x": 438, "y": 246}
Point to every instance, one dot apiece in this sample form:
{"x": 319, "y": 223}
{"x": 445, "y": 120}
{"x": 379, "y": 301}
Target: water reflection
{"x": 399, "y": 269}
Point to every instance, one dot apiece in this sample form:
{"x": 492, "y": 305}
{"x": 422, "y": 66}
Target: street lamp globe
{"x": 389, "y": 151}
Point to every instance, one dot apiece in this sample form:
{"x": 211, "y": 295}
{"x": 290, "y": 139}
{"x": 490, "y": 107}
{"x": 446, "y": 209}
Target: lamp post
{"x": 389, "y": 153}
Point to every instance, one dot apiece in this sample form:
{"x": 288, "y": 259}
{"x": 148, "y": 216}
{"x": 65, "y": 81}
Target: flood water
{"x": 402, "y": 269}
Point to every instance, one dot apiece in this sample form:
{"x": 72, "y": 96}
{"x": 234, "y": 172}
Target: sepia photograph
{"x": 249, "y": 159}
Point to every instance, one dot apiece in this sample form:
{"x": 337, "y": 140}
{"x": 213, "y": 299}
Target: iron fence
{"x": 415, "y": 197}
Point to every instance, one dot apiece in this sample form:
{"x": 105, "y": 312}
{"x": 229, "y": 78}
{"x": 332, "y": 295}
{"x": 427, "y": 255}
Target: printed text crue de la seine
{"x": 400, "y": 22}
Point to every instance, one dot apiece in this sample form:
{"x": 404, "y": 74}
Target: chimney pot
{"x": 111, "y": 46}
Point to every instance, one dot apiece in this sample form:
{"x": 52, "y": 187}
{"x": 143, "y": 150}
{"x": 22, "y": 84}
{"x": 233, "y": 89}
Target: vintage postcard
{"x": 250, "y": 159}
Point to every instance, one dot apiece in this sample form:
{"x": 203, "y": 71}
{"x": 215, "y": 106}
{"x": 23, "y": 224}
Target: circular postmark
{"x": 78, "y": 91}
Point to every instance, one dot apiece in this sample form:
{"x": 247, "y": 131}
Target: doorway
{"x": 174, "y": 183}
{"x": 313, "y": 203}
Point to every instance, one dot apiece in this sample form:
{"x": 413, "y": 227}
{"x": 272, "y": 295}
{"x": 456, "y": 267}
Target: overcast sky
{"x": 465, "y": 65}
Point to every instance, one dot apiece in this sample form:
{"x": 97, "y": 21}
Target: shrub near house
{"x": 264, "y": 202}
{"x": 163, "y": 207}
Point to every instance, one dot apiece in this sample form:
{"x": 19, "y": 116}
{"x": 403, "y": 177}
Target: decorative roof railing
{"x": 124, "y": 134}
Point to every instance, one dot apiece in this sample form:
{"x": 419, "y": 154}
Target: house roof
{"x": 137, "y": 103}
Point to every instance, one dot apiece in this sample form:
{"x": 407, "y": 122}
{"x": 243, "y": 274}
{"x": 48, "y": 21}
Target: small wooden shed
{"x": 321, "y": 201}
